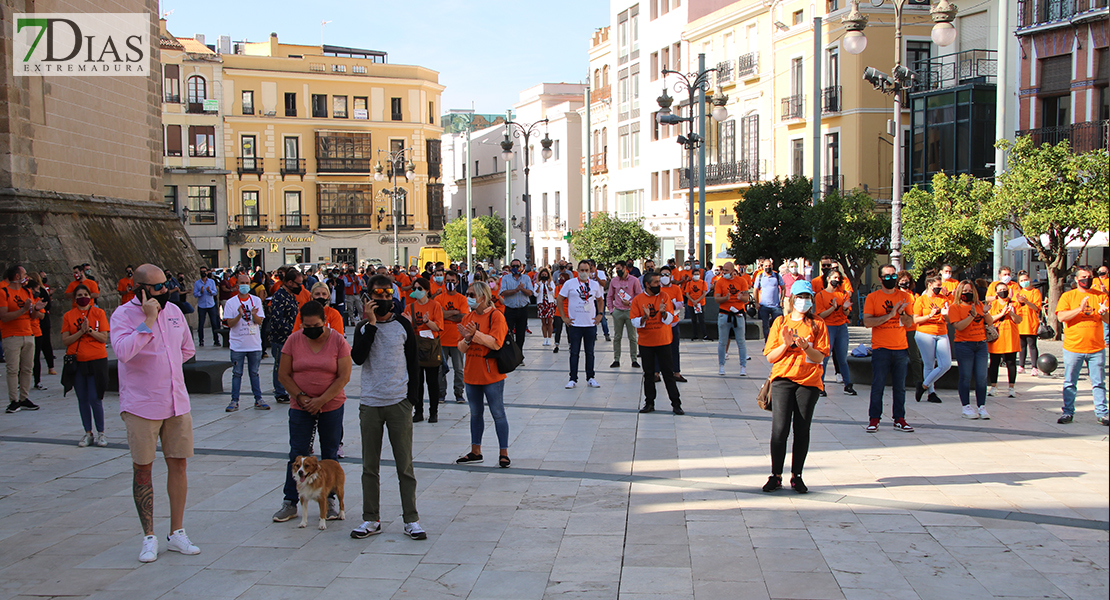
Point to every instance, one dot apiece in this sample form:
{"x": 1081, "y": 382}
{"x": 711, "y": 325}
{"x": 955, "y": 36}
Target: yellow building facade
{"x": 304, "y": 129}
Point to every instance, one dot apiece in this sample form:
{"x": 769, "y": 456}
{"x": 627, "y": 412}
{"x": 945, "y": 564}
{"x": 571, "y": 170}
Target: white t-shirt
{"x": 245, "y": 336}
{"x": 545, "y": 291}
{"x": 581, "y": 301}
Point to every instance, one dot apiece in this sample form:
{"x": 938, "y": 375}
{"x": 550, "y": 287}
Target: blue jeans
{"x": 723, "y": 327}
{"x": 885, "y": 361}
{"x": 89, "y": 403}
{"x": 768, "y": 314}
{"x": 252, "y": 359}
{"x": 934, "y": 349}
{"x": 213, "y": 314}
{"x": 604, "y": 323}
{"x": 1096, "y": 372}
{"x": 577, "y": 336}
{"x": 301, "y": 424}
{"x": 494, "y": 395}
{"x": 972, "y": 360}
{"x": 838, "y": 344}
{"x": 275, "y": 351}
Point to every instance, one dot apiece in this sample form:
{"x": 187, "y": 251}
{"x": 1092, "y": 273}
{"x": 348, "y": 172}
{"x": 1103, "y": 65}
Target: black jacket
{"x": 364, "y": 339}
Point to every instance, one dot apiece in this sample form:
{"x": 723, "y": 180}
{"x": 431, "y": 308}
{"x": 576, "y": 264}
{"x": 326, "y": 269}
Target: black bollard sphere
{"x": 1047, "y": 363}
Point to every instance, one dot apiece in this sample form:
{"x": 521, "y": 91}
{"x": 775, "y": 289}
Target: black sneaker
{"x": 200, "y": 344}
{"x": 469, "y": 457}
{"x": 1063, "y": 420}
{"x": 920, "y": 392}
{"x": 635, "y": 365}
{"x": 555, "y": 350}
{"x": 678, "y": 410}
{"x": 1104, "y": 421}
{"x": 28, "y": 405}
{"x": 417, "y": 418}
{"x": 774, "y": 482}
{"x": 647, "y": 409}
{"x": 615, "y": 365}
{"x": 934, "y": 398}
{"x": 433, "y": 418}
{"x": 798, "y": 485}
{"x": 282, "y": 399}
{"x": 607, "y": 338}
{"x": 13, "y": 407}
{"x": 822, "y": 393}
{"x": 40, "y": 387}
{"x": 849, "y": 390}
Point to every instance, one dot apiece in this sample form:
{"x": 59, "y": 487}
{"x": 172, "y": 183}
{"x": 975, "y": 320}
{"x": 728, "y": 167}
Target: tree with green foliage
{"x": 495, "y": 227}
{"x": 770, "y": 221}
{"x": 847, "y": 227}
{"x": 454, "y": 239}
{"x": 607, "y": 239}
{"x": 945, "y": 225}
{"x": 1050, "y": 191}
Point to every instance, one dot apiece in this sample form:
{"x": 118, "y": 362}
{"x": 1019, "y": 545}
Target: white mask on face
{"x": 664, "y": 280}
{"x": 946, "y": 276}
{"x": 802, "y": 305}
{"x": 1005, "y": 278}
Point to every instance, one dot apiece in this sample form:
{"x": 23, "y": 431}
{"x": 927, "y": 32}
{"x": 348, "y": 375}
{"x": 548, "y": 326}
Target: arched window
{"x": 604, "y": 204}
{"x": 604, "y": 147}
{"x": 605, "y": 76}
{"x": 197, "y": 90}
{"x": 597, "y": 140}
{"x": 597, "y": 78}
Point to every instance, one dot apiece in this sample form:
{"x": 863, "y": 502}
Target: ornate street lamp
{"x": 398, "y": 162}
{"x": 521, "y": 130}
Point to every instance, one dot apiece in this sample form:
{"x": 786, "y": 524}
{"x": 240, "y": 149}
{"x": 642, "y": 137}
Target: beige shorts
{"x": 142, "y": 437}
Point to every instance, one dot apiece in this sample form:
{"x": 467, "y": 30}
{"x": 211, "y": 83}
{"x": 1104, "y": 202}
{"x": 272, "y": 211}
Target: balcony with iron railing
{"x": 342, "y": 165}
{"x": 742, "y": 171}
{"x": 383, "y": 222}
{"x": 294, "y": 222}
{"x": 251, "y": 222}
{"x": 292, "y": 166}
{"x": 601, "y": 94}
{"x": 793, "y": 107}
{"x": 172, "y": 98}
{"x": 1082, "y": 137}
{"x": 197, "y": 108}
{"x": 1042, "y": 13}
{"x": 548, "y": 224}
{"x": 831, "y": 98}
{"x": 952, "y": 70}
{"x": 725, "y": 72}
{"x": 829, "y": 183}
{"x": 249, "y": 166}
{"x": 747, "y": 65}
{"x": 599, "y": 164}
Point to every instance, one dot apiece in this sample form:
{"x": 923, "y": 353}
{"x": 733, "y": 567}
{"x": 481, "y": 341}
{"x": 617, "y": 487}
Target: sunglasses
{"x": 382, "y": 291}
{"x": 417, "y": 289}
{"x": 155, "y": 286}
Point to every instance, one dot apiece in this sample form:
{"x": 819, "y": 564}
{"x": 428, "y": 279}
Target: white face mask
{"x": 727, "y": 276}
{"x": 1005, "y": 278}
{"x": 802, "y": 305}
{"x": 697, "y": 277}
{"x": 665, "y": 280}
{"x": 946, "y": 276}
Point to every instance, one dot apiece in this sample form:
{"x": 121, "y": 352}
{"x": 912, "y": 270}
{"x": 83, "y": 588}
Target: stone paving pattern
{"x": 600, "y": 502}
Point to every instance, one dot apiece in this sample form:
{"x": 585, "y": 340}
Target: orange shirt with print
{"x": 674, "y": 294}
{"x": 89, "y": 283}
{"x": 924, "y": 305}
{"x": 15, "y": 300}
{"x": 949, "y": 285}
{"x": 478, "y": 369}
{"x": 430, "y": 311}
{"x": 1030, "y": 317}
{"x": 695, "y": 289}
{"x": 654, "y": 333}
{"x": 794, "y": 364}
{"x": 125, "y": 287}
{"x": 892, "y": 334}
{"x": 823, "y": 301}
{"x": 731, "y": 287}
{"x": 909, "y": 311}
{"x": 976, "y": 330}
{"x": 402, "y": 280}
{"x": 451, "y": 301}
{"x": 86, "y": 348}
{"x": 1009, "y": 338}
{"x": 332, "y": 319}
{"x": 1083, "y": 334}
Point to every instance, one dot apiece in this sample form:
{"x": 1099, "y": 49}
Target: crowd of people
{"x": 412, "y": 328}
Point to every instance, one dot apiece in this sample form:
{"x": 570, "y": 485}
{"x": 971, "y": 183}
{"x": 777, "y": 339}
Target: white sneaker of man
{"x": 179, "y": 542}
{"x": 970, "y": 412}
{"x": 570, "y": 385}
{"x": 593, "y": 383}
{"x": 990, "y": 391}
{"x": 743, "y": 371}
{"x": 838, "y": 378}
{"x": 721, "y": 370}
{"x": 149, "y": 552}
{"x": 983, "y": 414}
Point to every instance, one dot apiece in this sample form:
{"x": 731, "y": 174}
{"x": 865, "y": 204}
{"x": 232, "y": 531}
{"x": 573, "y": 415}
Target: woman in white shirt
{"x": 545, "y": 303}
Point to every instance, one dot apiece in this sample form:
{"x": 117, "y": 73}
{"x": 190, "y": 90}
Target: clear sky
{"x": 486, "y": 51}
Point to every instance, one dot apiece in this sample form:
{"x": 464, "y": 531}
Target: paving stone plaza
{"x": 600, "y": 502}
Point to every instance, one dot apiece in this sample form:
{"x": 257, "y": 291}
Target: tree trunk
{"x": 1057, "y": 275}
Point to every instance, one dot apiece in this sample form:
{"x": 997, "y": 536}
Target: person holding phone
{"x": 85, "y": 333}
{"x": 243, "y": 316}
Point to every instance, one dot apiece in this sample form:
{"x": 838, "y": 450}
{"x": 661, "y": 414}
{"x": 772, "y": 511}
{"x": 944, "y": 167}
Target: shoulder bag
{"x": 1044, "y": 330}
{"x": 763, "y": 398}
{"x": 427, "y": 349}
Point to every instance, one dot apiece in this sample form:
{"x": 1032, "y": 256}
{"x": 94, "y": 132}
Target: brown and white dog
{"x": 316, "y": 479}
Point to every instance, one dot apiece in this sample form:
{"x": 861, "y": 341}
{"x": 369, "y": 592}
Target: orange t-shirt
{"x": 402, "y": 279}
{"x": 304, "y": 297}
{"x": 819, "y": 284}
{"x": 478, "y": 369}
{"x": 924, "y": 304}
{"x": 435, "y": 289}
{"x": 1013, "y": 286}
{"x": 674, "y": 294}
{"x": 824, "y": 299}
{"x": 909, "y": 310}
{"x": 452, "y": 301}
{"x": 1083, "y": 334}
{"x": 86, "y": 348}
{"x": 794, "y": 364}
{"x": 892, "y": 334}
{"x": 332, "y": 319}
{"x": 949, "y": 285}
{"x": 654, "y": 333}
{"x": 125, "y": 287}
{"x": 1009, "y": 340}
{"x": 1101, "y": 284}
{"x": 1030, "y": 317}
{"x": 695, "y": 289}
{"x": 15, "y": 301}
{"x": 974, "y": 332}
{"x": 731, "y": 287}
{"x": 89, "y": 283}
{"x": 679, "y": 276}
{"x": 431, "y": 311}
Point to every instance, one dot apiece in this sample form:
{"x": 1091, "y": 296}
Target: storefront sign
{"x": 275, "y": 241}
{"x": 386, "y": 240}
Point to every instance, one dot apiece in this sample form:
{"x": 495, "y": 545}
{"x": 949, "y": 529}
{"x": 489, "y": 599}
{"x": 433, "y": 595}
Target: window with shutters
{"x": 726, "y": 142}
{"x": 1055, "y": 74}
{"x": 171, "y": 83}
{"x": 202, "y": 140}
{"x": 749, "y": 146}
{"x": 173, "y": 140}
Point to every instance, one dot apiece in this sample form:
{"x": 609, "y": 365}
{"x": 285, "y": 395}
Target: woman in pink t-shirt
{"x": 315, "y": 365}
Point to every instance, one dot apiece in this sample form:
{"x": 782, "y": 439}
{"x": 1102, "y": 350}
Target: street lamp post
{"x": 521, "y": 130}
{"x": 943, "y": 34}
{"x": 397, "y": 164}
{"x": 695, "y": 84}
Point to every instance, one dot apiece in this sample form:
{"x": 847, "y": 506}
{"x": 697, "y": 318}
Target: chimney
{"x": 225, "y": 44}
{"x": 199, "y": 37}
{"x": 274, "y": 44}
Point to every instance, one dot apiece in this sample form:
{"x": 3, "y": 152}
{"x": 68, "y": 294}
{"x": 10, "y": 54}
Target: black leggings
{"x": 558, "y": 325}
{"x": 791, "y": 402}
{"x": 431, "y": 376}
{"x": 44, "y": 349}
{"x": 1029, "y": 342}
{"x": 1011, "y": 367}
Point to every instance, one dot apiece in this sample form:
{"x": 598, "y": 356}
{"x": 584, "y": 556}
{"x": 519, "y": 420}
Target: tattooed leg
{"x": 143, "y": 490}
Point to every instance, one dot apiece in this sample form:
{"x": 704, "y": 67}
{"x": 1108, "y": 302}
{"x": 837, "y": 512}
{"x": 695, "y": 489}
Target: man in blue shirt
{"x": 516, "y": 293}
{"x": 205, "y": 291}
{"x": 769, "y": 291}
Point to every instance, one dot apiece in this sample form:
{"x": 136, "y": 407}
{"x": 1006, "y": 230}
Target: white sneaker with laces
{"x": 150, "y": 549}
{"x": 415, "y": 531}
{"x": 85, "y": 440}
{"x": 838, "y": 378}
{"x": 721, "y": 370}
{"x": 1011, "y": 393}
{"x": 101, "y": 442}
{"x": 970, "y": 413}
{"x": 990, "y": 391}
{"x": 593, "y": 383}
{"x": 546, "y": 341}
{"x": 1021, "y": 370}
{"x": 743, "y": 371}
{"x": 179, "y": 542}
{"x": 570, "y": 385}
{"x": 983, "y": 414}
{"x": 1036, "y": 373}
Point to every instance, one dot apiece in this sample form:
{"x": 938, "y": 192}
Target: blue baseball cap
{"x": 801, "y": 287}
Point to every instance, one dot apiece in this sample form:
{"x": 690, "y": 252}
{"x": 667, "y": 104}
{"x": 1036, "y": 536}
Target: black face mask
{"x": 889, "y": 282}
{"x": 314, "y": 332}
{"x": 835, "y": 283}
{"x": 937, "y": 290}
{"x": 620, "y": 272}
{"x": 905, "y": 285}
{"x": 967, "y": 297}
{"x": 162, "y": 298}
{"x": 323, "y": 301}
{"x": 654, "y": 289}
{"x": 1084, "y": 283}
{"x": 296, "y": 289}
{"x": 382, "y": 307}
{"x": 1004, "y": 294}
{"x": 450, "y": 287}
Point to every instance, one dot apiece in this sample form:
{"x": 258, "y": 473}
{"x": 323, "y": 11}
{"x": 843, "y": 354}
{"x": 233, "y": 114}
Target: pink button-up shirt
{"x": 151, "y": 381}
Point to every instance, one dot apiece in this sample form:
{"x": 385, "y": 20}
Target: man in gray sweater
{"x": 385, "y": 346}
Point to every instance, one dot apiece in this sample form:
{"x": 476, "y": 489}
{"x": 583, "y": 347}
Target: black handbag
{"x": 1044, "y": 330}
{"x": 508, "y": 357}
{"x": 427, "y": 350}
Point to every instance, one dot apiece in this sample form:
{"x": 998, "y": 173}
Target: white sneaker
{"x": 85, "y": 440}
{"x": 721, "y": 370}
{"x": 150, "y": 549}
{"x": 1021, "y": 370}
{"x": 743, "y": 371}
{"x": 983, "y": 414}
{"x": 101, "y": 442}
{"x": 593, "y": 383}
{"x": 1036, "y": 373}
{"x": 570, "y": 385}
{"x": 838, "y": 378}
{"x": 1011, "y": 393}
{"x": 970, "y": 413}
{"x": 179, "y": 542}
{"x": 546, "y": 341}
{"x": 415, "y": 531}
{"x": 990, "y": 391}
